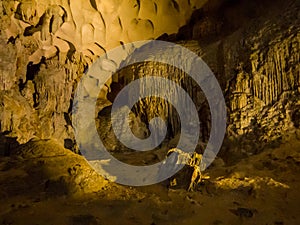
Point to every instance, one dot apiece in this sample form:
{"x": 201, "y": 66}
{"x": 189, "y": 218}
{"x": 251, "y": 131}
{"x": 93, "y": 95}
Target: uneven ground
{"x": 262, "y": 189}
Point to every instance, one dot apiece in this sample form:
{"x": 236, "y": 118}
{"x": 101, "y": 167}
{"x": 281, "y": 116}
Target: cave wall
{"x": 256, "y": 61}
{"x": 47, "y": 46}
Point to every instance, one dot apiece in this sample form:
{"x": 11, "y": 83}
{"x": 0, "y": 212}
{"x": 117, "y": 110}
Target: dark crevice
{"x": 35, "y": 100}
{"x": 100, "y": 46}
{"x": 93, "y": 3}
{"x": 70, "y": 109}
{"x": 71, "y": 51}
{"x": 85, "y": 68}
{"x": 120, "y": 23}
{"x": 115, "y": 89}
{"x": 7, "y": 144}
{"x": 18, "y": 13}
{"x": 12, "y": 40}
{"x": 175, "y": 5}
{"x": 21, "y": 85}
{"x": 70, "y": 144}
{"x": 67, "y": 119}
{"x": 155, "y": 8}
{"x": 151, "y": 24}
{"x": 29, "y": 31}
{"x": 32, "y": 71}
{"x": 51, "y": 26}
{"x": 138, "y": 5}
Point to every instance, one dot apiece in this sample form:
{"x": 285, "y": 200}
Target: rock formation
{"x": 93, "y": 27}
{"x": 257, "y": 66}
{"x": 64, "y": 37}
{"x": 46, "y": 47}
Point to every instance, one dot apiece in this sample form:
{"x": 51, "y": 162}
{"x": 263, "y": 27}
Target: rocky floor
{"x": 43, "y": 183}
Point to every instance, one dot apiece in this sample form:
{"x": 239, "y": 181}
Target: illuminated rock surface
{"x": 47, "y": 46}
{"x": 71, "y": 34}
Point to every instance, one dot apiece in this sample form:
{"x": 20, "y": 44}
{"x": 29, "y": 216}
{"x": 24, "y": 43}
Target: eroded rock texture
{"x": 46, "y": 46}
{"x": 261, "y": 63}
{"x": 257, "y": 65}
{"x": 92, "y": 27}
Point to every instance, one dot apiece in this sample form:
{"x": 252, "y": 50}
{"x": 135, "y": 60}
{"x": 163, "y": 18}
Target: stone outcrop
{"x": 45, "y": 166}
{"x": 257, "y": 66}
{"x": 46, "y": 47}
{"x": 261, "y": 63}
